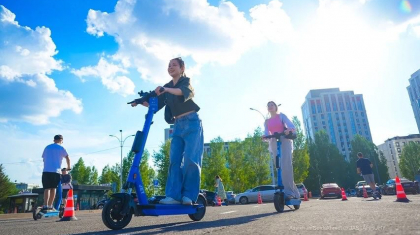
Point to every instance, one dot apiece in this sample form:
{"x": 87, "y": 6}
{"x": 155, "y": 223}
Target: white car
{"x": 266, "y": 191}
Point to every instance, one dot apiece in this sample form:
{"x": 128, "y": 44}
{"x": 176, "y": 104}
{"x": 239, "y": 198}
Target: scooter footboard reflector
{"x": 137, "y": 142}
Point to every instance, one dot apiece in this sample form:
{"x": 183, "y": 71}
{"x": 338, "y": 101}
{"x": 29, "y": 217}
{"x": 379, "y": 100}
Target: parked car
{"x": 266, "y": 191}
{"x": 301, "y": 187}
{"x": 210, "y": 197}
{"x": 330, "y": 190}
{"x": 231, "y": 197}
{"x": 352, "y": 193}
{"x": 101, "y": 203}
{"x": 359, "y": 188}
{"x": 409, "y": 187}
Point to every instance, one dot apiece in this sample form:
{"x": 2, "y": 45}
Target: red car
{"x": 330, "y": 190}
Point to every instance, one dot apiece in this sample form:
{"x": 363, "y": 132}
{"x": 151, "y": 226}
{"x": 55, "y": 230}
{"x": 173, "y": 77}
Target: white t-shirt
{"x": 53, "y": 156}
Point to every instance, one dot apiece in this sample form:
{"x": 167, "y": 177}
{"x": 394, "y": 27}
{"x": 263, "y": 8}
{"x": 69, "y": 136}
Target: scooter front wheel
{"x": 279, "y": 202}
{"x": 197, "y": 216}
{"x": 111, "y": 216}
{"x": 36, "y": 213}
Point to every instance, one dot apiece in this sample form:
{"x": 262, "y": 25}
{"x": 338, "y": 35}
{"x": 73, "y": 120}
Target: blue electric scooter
{"x": 38, "y": 213}
{"x": 279, "y": 198}
{"x": 117, "y": 213}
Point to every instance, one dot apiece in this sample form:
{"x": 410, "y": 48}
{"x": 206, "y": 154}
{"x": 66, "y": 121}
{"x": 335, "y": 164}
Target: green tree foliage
{"x": 147, "y": 173}
{"x": 300, "y": 154}
{"x": 238, "y": 167}
{"x": 109, "y": 176}
{"x": 7, "y": 188}
{"x": 326, "y": 163}
{"x": 370, "y": 151}
{"x": 161, "y": 161}
{"x": 93, "y": 176}
{"x": 80, "y": 172}
{"x": 214, "y": 163}
{"x": 410, "y": 160}
{"x": 257, "y": 154}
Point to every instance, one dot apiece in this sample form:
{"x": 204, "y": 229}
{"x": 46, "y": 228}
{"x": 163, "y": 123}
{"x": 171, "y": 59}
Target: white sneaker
{"x": 186, "y": 201}
{"x": 169, "y": 200}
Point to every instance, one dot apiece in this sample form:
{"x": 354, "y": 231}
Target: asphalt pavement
{"x": 328, "y": 216}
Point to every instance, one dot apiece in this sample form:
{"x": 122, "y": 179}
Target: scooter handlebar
{"x": 144, "y": 96}
{"x": 276, "y": 135}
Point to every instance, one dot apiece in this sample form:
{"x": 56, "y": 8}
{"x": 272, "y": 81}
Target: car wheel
{"x": 243, "y": 200}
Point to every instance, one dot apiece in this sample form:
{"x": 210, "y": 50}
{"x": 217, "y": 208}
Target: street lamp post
{"x": 272, "y": 157}
{"x": 121, "y": 141}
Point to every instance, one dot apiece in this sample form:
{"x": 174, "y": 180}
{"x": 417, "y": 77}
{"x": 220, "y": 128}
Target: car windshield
{"x": 299, "y": 186}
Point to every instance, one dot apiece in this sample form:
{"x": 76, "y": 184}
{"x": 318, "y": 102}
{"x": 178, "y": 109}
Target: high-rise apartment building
{"x": 392, "y": 149}
{"x": 414, "y": 94}
{"x": 342, "y": 114}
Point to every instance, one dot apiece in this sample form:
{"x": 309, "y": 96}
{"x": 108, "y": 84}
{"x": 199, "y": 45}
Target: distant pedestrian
{"x": 66, "y": 184}
{"x": 364, "y": 167}
{"x": 220, "y": 190}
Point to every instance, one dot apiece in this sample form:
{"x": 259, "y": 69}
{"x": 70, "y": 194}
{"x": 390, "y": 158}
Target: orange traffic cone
{"x": 401, "y": 196}
{"x": 305, "y": 196}
{"x": 343, "y": 195}
{"x": 69, "y": 214}
{"x": 365, "y": 195}
{"x": 259, "y": 198}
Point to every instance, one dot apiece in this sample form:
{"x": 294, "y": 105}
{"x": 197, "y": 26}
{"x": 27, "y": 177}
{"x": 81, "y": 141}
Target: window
{"x": 347, "y": 98}
{"x": 313, "y": 108}
{"x": 362, "y": 114}
{"x": 315, "y": 124}
{"x": 334, "y": 102}
{"x": 359, "y": 103}
{"x": 399, "y": 150}
{"x": 357, "y": 120}
{"x": 266, "y": 188}
{"x": 318, "y": 106}
{"x": 393, "y": 162}
{"x": 322, "y": 116}
{"x": 256, "y": 189}
{"x": 327, "y": 103}
{"x": 364, "y": 120}
{"x": 323, "y": 122}
{"x": 340, "y": 102}
{"x": 389, "y": 145}
{"x": 399, "y": 155}
{"x": 397, "y": 144}
{"x": 325, "y": 127}
{"x": 403, "y": 143}
{"x": 314, "y": 118}
{"x": 356, "y": 114}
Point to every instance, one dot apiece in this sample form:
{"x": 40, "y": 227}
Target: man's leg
{"x": 46, "y": 196}
{"x": 52, "y": 197}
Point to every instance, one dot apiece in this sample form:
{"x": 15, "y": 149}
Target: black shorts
{"x": 65, "y": 191}
{"x": 50, "y": 180}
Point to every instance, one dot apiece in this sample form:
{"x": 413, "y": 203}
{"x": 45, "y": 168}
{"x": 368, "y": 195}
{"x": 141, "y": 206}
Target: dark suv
{"x": 408, "y": 186}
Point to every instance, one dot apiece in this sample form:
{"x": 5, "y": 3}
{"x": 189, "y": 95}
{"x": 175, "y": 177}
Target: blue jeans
{"x": 187, "y": 144}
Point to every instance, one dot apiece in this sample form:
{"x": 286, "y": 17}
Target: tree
{"x": 238, "y": 166}
{"x": 147, "y": 173}
{"x": 109, "y": 176}
{"x": 258, "y": 159}
{"x": 326, "y": 163}
{"x": 161, "y": 161}
{"x": 79, "y": 172}
{"x": 214, "y": 163}
{"x": 371, "y": 152}
{"x": 7, "y": 188}
{"x": 410, "y": 160}
{"x": 93, "y": 176}
{"x": 300, "y": 154}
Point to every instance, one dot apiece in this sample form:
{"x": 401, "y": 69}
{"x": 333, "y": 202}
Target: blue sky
{"x": 69, "y": 67}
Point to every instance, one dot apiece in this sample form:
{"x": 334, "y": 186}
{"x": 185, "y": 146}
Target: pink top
{"x": 275, "y": 124}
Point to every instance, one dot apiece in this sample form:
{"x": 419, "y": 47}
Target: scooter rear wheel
{"x": 279, "y": 202}
{"x": 111, "y": 215}
{"x": 200, "y": 212}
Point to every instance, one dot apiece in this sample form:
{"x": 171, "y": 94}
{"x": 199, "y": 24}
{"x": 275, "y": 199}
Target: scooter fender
{"x": 128, "y": 202}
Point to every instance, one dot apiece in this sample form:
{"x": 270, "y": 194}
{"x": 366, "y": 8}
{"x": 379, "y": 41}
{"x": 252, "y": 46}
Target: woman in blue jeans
{"x": 183, "y": 183}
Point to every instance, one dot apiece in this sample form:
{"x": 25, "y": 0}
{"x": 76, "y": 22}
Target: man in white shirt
{"x": 53, "y": 156}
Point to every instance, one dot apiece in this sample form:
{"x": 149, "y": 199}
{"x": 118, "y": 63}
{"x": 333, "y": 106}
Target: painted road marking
{"x": 227, "y": 212}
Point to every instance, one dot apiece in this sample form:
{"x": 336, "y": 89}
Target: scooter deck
{"x": 47, "y": 214}
{"x": 293, "y": 202}
{"x": 161, "y": 209}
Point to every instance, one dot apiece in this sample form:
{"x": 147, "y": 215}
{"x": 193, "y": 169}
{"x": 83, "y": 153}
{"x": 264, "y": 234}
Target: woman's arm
{"x": 288, "y": 124}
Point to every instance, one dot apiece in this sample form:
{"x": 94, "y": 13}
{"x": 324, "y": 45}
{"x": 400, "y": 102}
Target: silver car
{"x": 266, "y": 191}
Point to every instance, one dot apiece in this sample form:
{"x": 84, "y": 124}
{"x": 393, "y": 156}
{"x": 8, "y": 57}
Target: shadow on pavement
{"x": 186, "y": 226}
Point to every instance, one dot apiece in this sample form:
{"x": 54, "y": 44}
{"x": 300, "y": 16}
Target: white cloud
{"x": 149, "y": 37}
{"x": 109, "y": 74}
{"x": 23, "y": 50}
{"x": 28, "y": 94}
